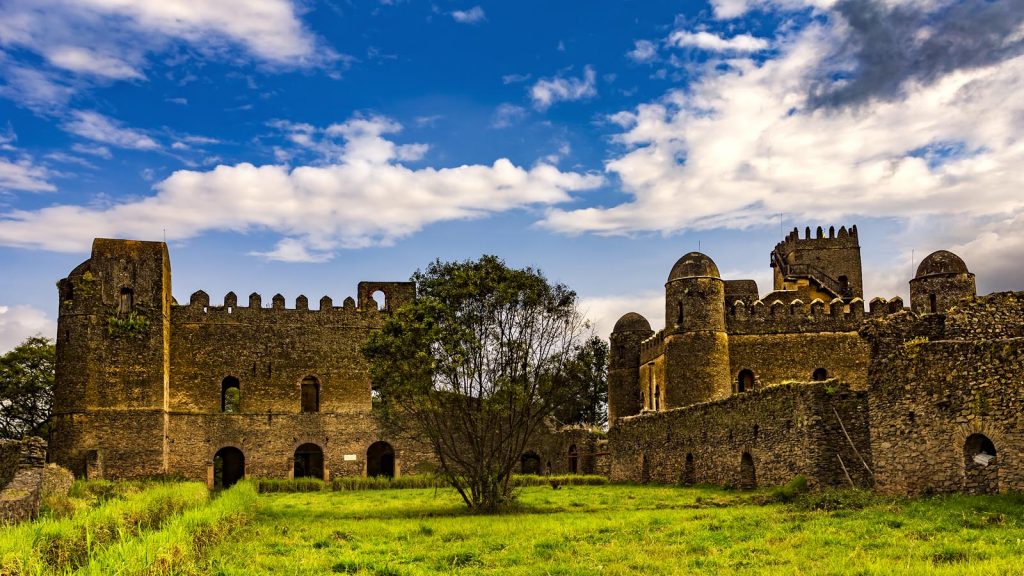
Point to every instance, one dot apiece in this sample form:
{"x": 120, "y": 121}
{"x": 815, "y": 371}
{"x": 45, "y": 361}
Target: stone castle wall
{"x": 784, "y": 430}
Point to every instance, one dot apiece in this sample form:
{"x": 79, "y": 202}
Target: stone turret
{"x": 942, "y": 279}
{"x": 624, "y": 398}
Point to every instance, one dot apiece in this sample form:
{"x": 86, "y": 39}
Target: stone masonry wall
{"x": 19, "y": 499}
{"x": 927, "y": 398}
{"x": 10, "y": 455}
{"x": 786, "y": 430}
{"x": 776, "y": 358}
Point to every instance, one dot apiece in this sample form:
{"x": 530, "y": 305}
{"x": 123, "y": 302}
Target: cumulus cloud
{"x": 643, "y": 51}
{"x": 24, "y": 175}
{"x": 714, "y": 43}
{"x": 97, "y": 127}
{"x": 748, "y": 141}
{"x": 20, "y": 322}
{"x": 363, "y": 196}
{"x": 474, "y": 15}
{"x": 548, "y": 91}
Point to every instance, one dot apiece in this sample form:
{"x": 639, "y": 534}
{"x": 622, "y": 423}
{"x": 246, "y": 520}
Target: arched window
{"x": 230, "y": 395}
{"x": 932, "y": 303}
{"x": 310, "y": 394}
{"x": 844, "y": 285}
{"x": 309, "y": 462}
{"x": 126, "y": 301}
{"x": 380, "y": 460}
{"x": 228, "y": 467}
{"x": 679, "y": 313}
{"x": 819, "y": 375}
{"x": 744, "y": 381}
{"x": 573, "y": 459}
{"x": 657, "y": 398}
{"x": 381, "y": 299}
{"x": 981, "y": 467}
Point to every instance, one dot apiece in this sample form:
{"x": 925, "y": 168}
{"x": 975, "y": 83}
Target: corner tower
{"x": 112, "y": 369}
{"x": 696, "y": 342}
{"x": 942, "y": 279}
{"x": 624, "y": 398}
{"x": 821, "y": 266}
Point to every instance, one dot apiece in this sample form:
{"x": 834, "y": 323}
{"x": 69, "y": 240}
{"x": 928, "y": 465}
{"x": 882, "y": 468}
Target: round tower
{"x": 624, "y": 397}
{"x": 696, "y": 343}
{"x": 942, "y": 279}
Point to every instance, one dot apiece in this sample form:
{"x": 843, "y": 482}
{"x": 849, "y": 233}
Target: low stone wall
{"x": 19, "y": 499}
{"x": 10, "y": 455}
{"x": 764, "y": 437}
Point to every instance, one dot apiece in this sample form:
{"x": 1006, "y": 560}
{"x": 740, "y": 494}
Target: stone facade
{"x": 20, "y": 493}
{"x": 741, "y": 391}
{"x": 146, "y": 386}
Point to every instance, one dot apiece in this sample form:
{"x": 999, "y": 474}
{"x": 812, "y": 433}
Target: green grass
{"x": 624, "y": 529}
{"x": 265, "y": 486}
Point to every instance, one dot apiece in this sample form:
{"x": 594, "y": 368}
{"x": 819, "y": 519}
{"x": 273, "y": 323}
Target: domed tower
{"x": 696, "y": 343}
{"x": 624, "y": 397}
{"x": 941, "y": 280}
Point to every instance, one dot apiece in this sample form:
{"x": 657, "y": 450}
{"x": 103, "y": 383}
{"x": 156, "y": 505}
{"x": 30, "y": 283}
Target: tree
{"x": 26, "y": 388}
{"x": 474, "y": 366}
{"x": 587, "y": 381}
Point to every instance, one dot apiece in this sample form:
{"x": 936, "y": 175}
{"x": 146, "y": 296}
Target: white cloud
{"x": 604, "y": 311}
{"x": 711, "y": 42}
{"x": 643, "y": 51}
{"x": 742, "y": 145}
{"x": 472, "y": 16}
{"x": 24, "y": 175}
{"x": 514, "y": 78}
{"x": 508, "y": 115}
{"x": 548, "y": 91}
{"x": 93, "y": 150}
{"x": 86, "y": 61}
{"x": 366, "y": 196}
{"x": 99, "y": 128}
{"x": 20, "y": 322}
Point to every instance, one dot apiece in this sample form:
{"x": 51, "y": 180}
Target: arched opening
{"x": 230, "y": 395}
{"x": 573, "y": 459}
{"x": 844, "y": 285}
{"x": 657, "y": 398}
{"x": 228, "y": 467}
{"x": 689, "y": 473}
{"x": 981, "y": 467}
{"x": 679, "y": 313}
{"x": 757, "y": 431}
{"x": 529, "y": 463}
{"x": 381, "y": 299}
{"x": 819, "y": 375}
{"x": 380, "y": 460}
{"x": 645, "y": 469}
{"x": 310, "y": 394}
{"x": 748, "y": 477}
{"x": 933, "y": 304}
{"x": 309, "y": 462}
{"x": 126, "y": 301}
{"x": 744, "y": 381}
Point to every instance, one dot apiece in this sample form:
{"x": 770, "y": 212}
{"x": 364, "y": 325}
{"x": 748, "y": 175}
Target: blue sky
{"x": 299, "y": 147}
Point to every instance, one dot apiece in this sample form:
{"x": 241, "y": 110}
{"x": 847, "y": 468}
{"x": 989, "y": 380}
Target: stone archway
{"x": 228, "y": 467}
{"x": 380, "y": 460}
{"x": 981, "y": 465}
{"x": 309, "y": 462}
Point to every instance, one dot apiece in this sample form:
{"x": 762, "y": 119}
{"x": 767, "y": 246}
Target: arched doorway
{"x": 529, "y": 463}
{"x": 748, "y": 476}
{"x": 745, "y": 381}
{"x": 573, "y": 460}
{"x": 819, "y": 375}
{"x": 228, "y": 467}
{"x": 309, "y": 462}
{"x": 380, "y": 460}
{"x": 981, "y": 467}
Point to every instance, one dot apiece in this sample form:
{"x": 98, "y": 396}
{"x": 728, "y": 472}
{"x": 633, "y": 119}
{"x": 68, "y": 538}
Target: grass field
{"x": 625, "y": 530}
{"x": 178, "y": 528}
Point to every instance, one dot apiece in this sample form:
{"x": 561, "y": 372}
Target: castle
{"x": 738, "y": 389}
{"x": 745, "y": 390}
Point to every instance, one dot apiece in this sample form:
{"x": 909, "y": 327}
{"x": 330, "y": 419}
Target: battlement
{"x": 844, "y": 238}
{"x": 799, "y": 317}
{"x": 199, "y": 308}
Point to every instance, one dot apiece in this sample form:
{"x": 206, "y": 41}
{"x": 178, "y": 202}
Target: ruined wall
{"x": 557, "y": 449}
{"x": 10, "y": 455}
{"x": 19, "y": 498}
{"x": 776, "y": 358}
{"x": 996, "y": 315}
{"x": 786, "y": 430}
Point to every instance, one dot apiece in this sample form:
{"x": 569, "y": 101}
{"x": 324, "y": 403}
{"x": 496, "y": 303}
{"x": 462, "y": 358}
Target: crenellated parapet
{"x": 798, "y": 316}
{"x": 200, "y": 309}
{"x": 843, "y": 238}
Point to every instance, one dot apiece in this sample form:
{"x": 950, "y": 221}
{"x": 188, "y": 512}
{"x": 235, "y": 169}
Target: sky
{"x": 298, "y": 147}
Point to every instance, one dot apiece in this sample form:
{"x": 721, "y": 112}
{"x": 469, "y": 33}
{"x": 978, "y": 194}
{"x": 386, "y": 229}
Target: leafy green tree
{"x": 26, "y": 388}
{"x": 474, "y": 367}
{"x": 587, "y": 380}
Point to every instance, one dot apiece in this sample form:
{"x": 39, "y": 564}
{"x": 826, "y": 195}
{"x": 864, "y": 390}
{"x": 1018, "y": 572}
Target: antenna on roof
{"x": 165, "y": 235}
{"x": 698, "y": 245}
{"x": 911, "y": 262}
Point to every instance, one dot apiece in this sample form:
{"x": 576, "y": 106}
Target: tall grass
{"x": 58, "y": 545}
{"x": 178, "y": 547}
{"x": 347, "y": 483}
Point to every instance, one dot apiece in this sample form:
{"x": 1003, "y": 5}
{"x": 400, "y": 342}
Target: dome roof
{"x": 632, "y": 321}
{"x": 693, "y": 264}
{"x": 941, "y": 262}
